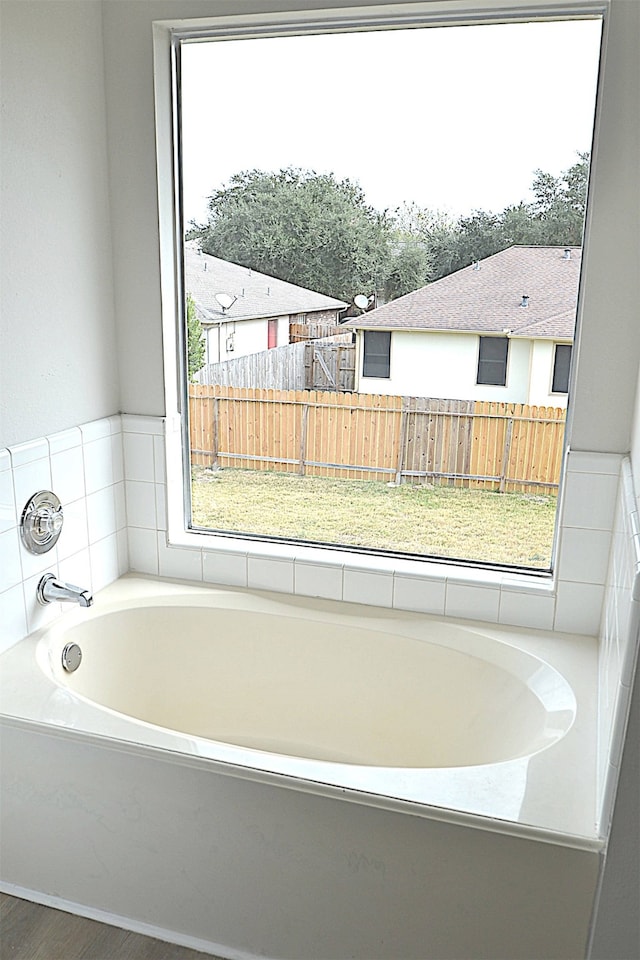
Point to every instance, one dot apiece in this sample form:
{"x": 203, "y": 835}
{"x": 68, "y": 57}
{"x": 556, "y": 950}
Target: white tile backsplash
{"x": 10, "y": 567}
{"x": 104, "y": 559}
{"x": 161, "y": 505}
{"x": 13, "y": 616}
{"x": 29, "y": 452}
{"x": 98, "y": 470}
{"x": 584, "y": 555}
{"x": 228, "y": 569}
{"x": 76, "y": 569}
{"x": 68, "y": 475}
{"x": 423, "y": 596}
{"x": 590, "y": 500}
{"x": 138, "y": 457}
{"x": 368, "y": 586}
{"x": 95, "y": 430}
{"x": 7, "y": 499}
{"x": 143, "y": 550}
{"x": 38, "y": 614}
{"x": 472, "y": 602}
{"x": 318, "y": 580}
{"x": 578, "y": 607}
{"x": 581, "y": 461}
{"x": 65, "y": 440}
{"x": 28, "y": 478}
{"x": 89, "y": 550}
{"x": 618, "y": 644}
{"x": 141, "y": 504}
{"x": 267, "y": 574}
{"x": 527, "y": 609}
{"x": 101, "y": 514}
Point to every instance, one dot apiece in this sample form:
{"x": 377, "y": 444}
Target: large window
{"x": 293, "y": 209}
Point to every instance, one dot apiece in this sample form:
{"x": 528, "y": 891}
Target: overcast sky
{"x": 453, "y": 118}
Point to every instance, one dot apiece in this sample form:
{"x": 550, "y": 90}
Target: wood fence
{"x": 492, "y": 446}
{"x": 305, "y": 365}
{"x": 315, "y": 330}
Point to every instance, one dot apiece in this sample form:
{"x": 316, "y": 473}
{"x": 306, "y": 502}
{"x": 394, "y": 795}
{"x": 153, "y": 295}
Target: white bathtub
{"x": 469, "y": 726}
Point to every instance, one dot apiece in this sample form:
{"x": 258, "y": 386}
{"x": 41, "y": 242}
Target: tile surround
{"x": 84, "y": 466}
{"x": 618, "y": 649}
{"x": 123, "y": 474}
{"x": 572, "y": 604}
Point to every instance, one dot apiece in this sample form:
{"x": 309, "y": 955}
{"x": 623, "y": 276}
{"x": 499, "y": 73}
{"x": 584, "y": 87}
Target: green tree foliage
{"x": 310, "y": 229}
{"x": 299, "y": 226}
{"x": 195, "y": 340}
{"x": 554, "y": 217}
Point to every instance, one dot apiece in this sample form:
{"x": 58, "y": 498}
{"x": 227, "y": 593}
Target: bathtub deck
{"x": 549, "y": 795}
{"x": 31, "y": 931}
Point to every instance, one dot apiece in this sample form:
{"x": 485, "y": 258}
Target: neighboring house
{"x": 243, "y": 311}
{"x": 501, "y": 329}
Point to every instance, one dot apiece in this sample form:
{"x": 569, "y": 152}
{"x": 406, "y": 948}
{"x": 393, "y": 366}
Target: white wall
{"x": 57, "y": 329}
{"x": 541, "y": 376}
{"x": 249, "y": 336}
{"x": 446, "y": 365}
{"x": 609, "y": 332}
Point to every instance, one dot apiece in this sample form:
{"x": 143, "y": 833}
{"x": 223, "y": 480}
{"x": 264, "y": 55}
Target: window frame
{"x": 167, "y": 36}
{"x": 492, "y": 362}
{"x": 376, "y": 356}
{"x": 554, "y": 389}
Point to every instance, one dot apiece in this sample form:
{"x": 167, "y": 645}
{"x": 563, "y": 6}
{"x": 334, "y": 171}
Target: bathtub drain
{"x": 71, "y": 657}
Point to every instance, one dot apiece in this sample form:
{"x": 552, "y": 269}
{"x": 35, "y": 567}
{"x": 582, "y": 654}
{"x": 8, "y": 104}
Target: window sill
{"x": 418, "y": 569}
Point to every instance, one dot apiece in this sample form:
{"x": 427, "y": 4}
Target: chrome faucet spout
{"x": 50, "y": 590}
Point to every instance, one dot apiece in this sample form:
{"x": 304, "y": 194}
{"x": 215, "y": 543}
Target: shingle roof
{"x": 487, "y": 297}
{"x": 258, "y": 295}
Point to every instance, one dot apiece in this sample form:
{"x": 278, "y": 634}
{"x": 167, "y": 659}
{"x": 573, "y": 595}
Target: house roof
{"x": 258, "y": 295}
{"x": 487, "y": 297}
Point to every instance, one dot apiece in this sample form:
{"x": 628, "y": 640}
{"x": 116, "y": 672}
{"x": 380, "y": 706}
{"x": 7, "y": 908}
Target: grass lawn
{"x": 443, "y": 521}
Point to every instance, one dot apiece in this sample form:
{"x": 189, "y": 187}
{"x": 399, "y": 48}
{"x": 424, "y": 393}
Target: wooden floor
{"x": 29, "y": 931}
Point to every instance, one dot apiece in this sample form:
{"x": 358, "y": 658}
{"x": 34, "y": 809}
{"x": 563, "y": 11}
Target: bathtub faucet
{"x": 51, "y": 589}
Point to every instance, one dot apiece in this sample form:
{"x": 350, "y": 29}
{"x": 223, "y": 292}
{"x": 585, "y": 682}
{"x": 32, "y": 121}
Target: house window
{"x": 377, "y": 353}
{"x": 492, "y": 361}
{"x": 322, "y": 446}
{"x": 561, "y": 367}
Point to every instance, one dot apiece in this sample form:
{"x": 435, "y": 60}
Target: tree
{"x": 195, "y": 340}
{"x": 301, "y": 226}
{"x": 560, "y": 202}
{"x": 555, "y": 217}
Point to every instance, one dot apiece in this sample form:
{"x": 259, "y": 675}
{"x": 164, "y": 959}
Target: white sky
{"x": 454, "y": 118}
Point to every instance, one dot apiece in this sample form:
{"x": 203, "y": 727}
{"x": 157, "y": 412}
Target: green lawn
{"x": 443, "y": 521}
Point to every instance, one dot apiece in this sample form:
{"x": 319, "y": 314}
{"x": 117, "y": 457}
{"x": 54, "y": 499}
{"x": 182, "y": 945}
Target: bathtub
{"x": 339, "y": 753}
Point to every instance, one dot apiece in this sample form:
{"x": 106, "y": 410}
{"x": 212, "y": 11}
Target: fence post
{"x": 216, "y": 415}
{"x": 404, "y": 416}
{"x": 506, "y": 453}
{"x": 303, "y": 437}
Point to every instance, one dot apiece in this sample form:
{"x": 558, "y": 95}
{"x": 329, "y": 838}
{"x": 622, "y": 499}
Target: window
{"x": 492, "y": 361}
{"x": 272, "y": 333}
{"x": 561, "y": 367}
{"x": 333, "y": 445}
{"x": 377, "y": 353}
